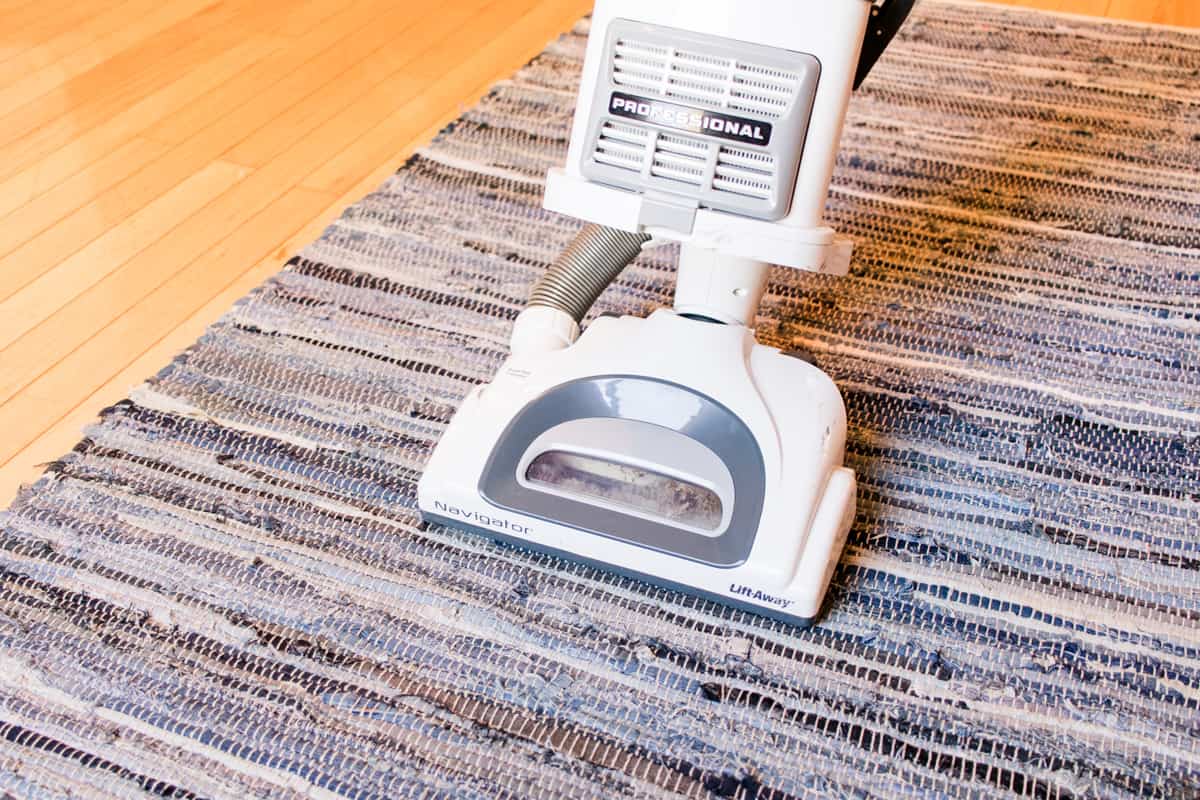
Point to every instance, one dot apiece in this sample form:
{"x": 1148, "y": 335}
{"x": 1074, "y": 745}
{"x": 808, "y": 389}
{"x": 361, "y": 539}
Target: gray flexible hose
{"x": 589, "y": 264}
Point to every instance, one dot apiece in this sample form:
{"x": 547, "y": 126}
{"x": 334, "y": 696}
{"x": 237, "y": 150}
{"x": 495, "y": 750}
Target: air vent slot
{"x": 622, "y": 146}
{"x": 685, "y": 160}
{"x": 680, "y": 158}
{"x": 695, "y": 78}
{"x": 745, "y": 172}
{"x": 677, "y": 158}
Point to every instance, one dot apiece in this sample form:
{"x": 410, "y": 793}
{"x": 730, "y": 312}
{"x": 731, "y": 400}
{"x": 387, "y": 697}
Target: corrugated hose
{"x": 590, "y": 263}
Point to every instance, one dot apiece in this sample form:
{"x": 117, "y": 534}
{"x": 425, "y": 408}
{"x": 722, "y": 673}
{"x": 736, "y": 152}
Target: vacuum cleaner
{"x": 674, "y": 448}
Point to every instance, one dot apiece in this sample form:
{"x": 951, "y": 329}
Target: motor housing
{"x": 715, "y": 124}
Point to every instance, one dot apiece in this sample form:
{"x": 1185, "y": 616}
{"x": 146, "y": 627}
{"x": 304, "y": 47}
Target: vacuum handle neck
{"x": 721, "y": 287}
{"x": 886, "y": 18}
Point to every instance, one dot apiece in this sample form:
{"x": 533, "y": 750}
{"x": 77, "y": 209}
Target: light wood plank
{"x": 23, "y": 217}
{"x": 1087, "y": 7}
{"x": 39, "y": 254}
{"x": 369, "y": 82}
{"x": 43, "y": 251}
{"x": 7, "y": 7}
{"x": 435, "y": 83}
{"x": 1181, "y": 13}
{"x": 73, "y": 52}
{"x": 169, "y": 59}
{"x": 90, "y": 265}
{"x": 298, "y": 21}
{"x": 55, "y": 48}
{"x": 487, "y": 72}
{"x": 278, "y": 83}
{"x": 1163, "y": 12}
{"x": 34, "y": 22}
{"x": 240, "y": 105}
{"x": 40, "y": 125}
{"x": 125, "y": 285}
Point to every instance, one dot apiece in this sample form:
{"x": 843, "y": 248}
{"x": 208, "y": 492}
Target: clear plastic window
{"x": 621, "y": 485}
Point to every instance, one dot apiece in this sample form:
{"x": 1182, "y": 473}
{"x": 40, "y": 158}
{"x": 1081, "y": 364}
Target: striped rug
{"x": 225, "y": 590}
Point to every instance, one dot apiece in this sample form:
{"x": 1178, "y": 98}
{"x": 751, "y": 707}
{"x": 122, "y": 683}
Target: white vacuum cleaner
{"x": 676, "y": 449}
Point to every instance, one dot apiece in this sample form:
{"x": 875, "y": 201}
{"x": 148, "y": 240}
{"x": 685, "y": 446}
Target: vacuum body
{"x": 675, "y": 448}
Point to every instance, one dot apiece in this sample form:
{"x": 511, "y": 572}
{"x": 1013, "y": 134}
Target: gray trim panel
{"x": 648, "y": 400}
{"x": 787, "y": 141}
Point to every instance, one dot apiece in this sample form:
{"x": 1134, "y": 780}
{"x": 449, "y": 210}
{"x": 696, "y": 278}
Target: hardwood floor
{"x": 1182, "y": 13}
{"x": 160, "y": 159}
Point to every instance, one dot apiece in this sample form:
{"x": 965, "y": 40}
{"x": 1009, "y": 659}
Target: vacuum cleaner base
{"x": 706, "y": 462}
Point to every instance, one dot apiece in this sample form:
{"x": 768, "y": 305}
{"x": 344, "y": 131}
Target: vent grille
{"x": 715, "y": 82}
{"x": 745, "y": 172}
{"x": 622, "y": 146}
{"x": 725, "y": 129}
{"x": 680, "y": 158}
{"x": 677, "y": 158}
{"x": 685, "y": 159}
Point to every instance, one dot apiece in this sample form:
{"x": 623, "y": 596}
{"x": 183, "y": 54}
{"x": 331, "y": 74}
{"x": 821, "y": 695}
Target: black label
{"x": 692, "y": 120}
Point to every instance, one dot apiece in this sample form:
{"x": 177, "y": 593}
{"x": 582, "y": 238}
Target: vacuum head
{"x": 707, "y": 462}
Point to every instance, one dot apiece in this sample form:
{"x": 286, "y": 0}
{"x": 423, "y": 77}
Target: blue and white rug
{"x": 225, "y": 590}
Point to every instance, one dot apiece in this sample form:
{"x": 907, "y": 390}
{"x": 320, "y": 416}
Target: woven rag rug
{"x": 226, "y": 591}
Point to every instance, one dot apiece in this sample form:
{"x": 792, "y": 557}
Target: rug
{"x": 225, "y": 589}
